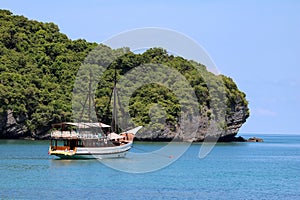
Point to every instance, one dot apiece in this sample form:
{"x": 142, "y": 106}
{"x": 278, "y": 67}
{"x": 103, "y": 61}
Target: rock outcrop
{"x": 255, "y": 139}
{"x": 14, "y": 127}
{"x": 11, "y": 126}
{"x": 205, "y": 130}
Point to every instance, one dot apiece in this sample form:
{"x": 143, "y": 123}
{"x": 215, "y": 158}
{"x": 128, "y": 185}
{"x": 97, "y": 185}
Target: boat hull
{"x": 94, "y": 152}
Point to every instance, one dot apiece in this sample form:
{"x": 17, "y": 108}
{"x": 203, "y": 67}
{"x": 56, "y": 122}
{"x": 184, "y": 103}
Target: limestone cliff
{"x": 234, "y": 121}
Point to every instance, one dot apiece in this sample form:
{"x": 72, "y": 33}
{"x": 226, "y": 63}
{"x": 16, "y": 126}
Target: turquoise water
{"x": 268, "y": 170}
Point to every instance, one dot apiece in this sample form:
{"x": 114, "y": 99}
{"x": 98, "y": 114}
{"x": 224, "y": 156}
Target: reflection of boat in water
{"x": 86, "y": 140}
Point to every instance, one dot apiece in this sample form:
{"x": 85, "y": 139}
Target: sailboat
{"x": 91, "y": 140}
{"x": 82, "y": 141}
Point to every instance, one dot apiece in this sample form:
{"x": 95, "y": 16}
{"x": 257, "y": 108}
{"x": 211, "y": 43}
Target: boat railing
{"x": 75, "y": 134}
{"x": 87, "y": 135}
{"x": 64, "y": 134}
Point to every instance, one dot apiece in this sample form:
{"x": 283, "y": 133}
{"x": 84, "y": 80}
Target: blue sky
{"x": 257, "y": 43}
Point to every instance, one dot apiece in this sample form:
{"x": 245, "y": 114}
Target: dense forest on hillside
{"x": 38, "y": 67}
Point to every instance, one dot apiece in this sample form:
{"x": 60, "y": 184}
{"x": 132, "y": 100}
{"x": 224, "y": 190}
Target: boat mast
{"x": 114, "y": 120}
{"x": 89, "y": 96}
{"x": 88, "y": 99}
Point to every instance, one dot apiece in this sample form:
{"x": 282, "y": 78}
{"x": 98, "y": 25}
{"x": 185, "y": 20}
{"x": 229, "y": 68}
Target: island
{"x": 39, "y": 64}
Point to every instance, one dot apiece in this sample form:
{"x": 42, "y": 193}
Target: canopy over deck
{"x": 82, "y": 125}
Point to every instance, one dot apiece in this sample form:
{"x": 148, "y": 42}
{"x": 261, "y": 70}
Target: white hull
{"x": 94, "y": 152}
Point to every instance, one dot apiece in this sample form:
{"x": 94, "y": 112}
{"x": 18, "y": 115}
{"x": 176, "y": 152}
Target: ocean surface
{"x": 268, "y": 170}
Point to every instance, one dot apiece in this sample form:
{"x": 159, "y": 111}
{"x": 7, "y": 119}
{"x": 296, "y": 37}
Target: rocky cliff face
{"x": 11, "y": 126}
{"x": 234, "y": 121}
{"x": 14, "y": 127}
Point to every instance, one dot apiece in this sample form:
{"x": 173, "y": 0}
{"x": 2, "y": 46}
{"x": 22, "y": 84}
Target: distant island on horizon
{"x": 39, "y": 64}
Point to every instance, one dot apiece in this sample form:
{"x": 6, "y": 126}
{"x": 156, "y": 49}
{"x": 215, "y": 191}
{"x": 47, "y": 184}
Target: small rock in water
{"x": 255, "y": 139}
